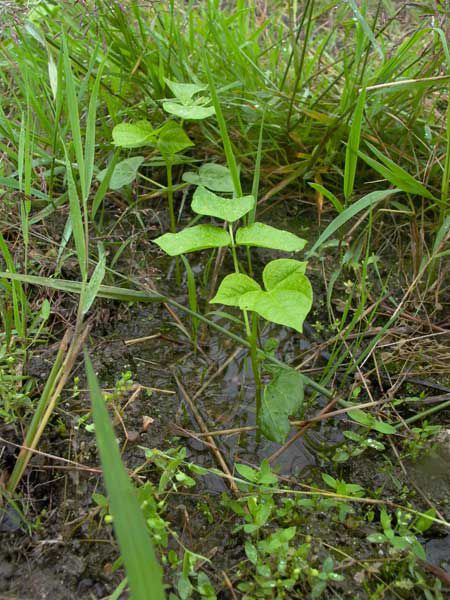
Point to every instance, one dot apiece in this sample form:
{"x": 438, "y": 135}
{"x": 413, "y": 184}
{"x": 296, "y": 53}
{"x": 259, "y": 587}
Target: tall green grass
{"x": 143, "y": 571}
{"x": 304, "y": 75}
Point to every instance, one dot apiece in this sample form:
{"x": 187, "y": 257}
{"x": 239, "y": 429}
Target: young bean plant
{"x": 285, "y": 298}
{"x": 169, "y": 139}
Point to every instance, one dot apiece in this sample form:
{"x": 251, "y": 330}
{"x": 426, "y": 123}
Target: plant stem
{"x": 252, "y": 337}
{"x": 425, "y": 413}
{"x": 233, "y": 248}
{"x": 256, "y": 370}
{"x": 173, "y": 224}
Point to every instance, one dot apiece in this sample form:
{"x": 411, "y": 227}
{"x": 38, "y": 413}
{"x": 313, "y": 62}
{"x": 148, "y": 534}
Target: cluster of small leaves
{"x": 14, "y": 397}
{"x": 153, "y": 499}
{"x": 184, "y": 105}
{"x": 401, "y": 536}
{"x": 169, "y": 139}
{"x": 418, "y": 442}
{"x": 341, "y": 488}
{"x": 15, "y": 393}
{"x": 356, "y": 445}
{"x": 281, "y": 564}
{"x": 174, "y": 476}
{"x": 192, "y": 582}
{"x": 359, "y": 442}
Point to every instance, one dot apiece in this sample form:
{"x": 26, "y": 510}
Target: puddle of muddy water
{"x": 228, "y": 402}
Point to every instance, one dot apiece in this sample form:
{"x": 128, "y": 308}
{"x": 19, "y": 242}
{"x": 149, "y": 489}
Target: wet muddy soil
{"x": 64, "y": 551}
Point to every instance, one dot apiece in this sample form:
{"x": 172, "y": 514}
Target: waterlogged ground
{"x": 70, "y": 555}
{"x": 66, "y": 551}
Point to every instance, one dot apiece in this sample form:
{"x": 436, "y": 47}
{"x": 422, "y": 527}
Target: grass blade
{"x": 72, "y": 107}
{"x": 231, "y": 159}
{"x": 77, "y": 221}
{"x": 328, "y": 195}
{"x": 76, "y": 287}
{"x": 103, "y": 187}
{"x": 363, "y": 203}
{"x": 143, "y": 571}
{"x": 94, "y": 284}
{"x": 19, "y": 300}
{"x": 89, "y": 150}
{"x": 351, "y": 153}
{"x": 257, "y": 172}
{"x": 395, "y": 174}
{"x": 366, "y": 28}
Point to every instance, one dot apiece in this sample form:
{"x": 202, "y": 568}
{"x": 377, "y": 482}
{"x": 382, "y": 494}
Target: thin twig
{"x": 312, "y": 420}
{"x": 299, "y": 433}
{"x": 213, "y": 446}
{"x": 71, "y": 463}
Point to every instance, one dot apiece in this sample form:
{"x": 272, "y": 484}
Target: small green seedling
{"x": 212, "y": 176}
{"x": 169, "y": 140}
{"x": 286, "y": 298}
{"x": 342, "y": 488}
{"x": 184, "y": 105}
{"x": 401, "y": 537}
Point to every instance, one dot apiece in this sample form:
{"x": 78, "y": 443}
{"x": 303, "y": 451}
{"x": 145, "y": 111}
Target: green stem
{"x": 249, "y": 261}
{"x": 173, "y": 223}
{"x": 253, "y": 340}
{"x": 233, "y": 248}
{"x": 425, "y": 413}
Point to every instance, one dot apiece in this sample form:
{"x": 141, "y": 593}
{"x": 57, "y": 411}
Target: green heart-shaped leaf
{"x": 184, "y": 91}
{"x": 192, "y": 239}
{"x": 212, "y": 176}
{"x": 266, "y": 236}
{"x": 133, "y": 135}
{"x": 283, "y": 273}
{"x": 172, "y": 139}
{"x": 233, "y": 287}
{"x": 194, "y": 112}
{"x": 228, "y": 209}
{"x": 124, "y": 172}
{"x": 282, "y": 397}
{"x": 283, "y": 306}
